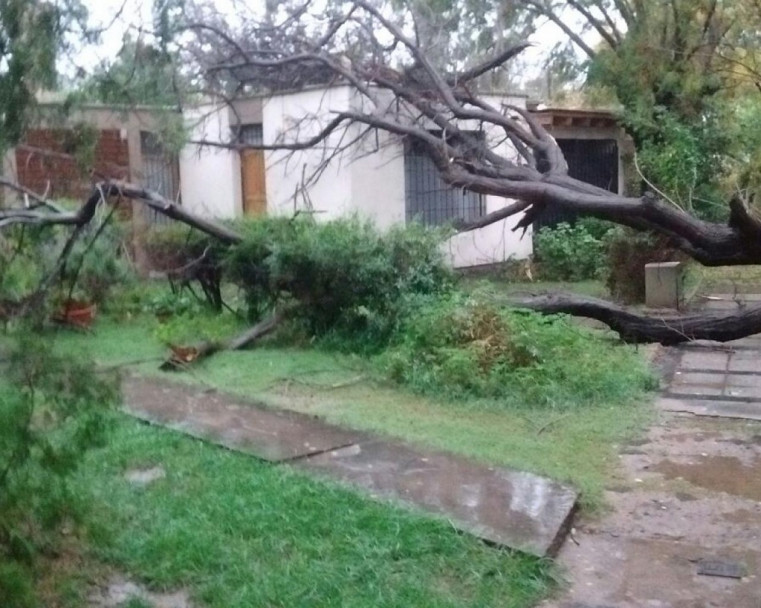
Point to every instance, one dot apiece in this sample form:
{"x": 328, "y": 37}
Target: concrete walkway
{"x": 510, "y": 508}
{"x": 685, "y": 526}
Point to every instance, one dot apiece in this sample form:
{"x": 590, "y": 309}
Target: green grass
{"x": 504, "y": 287}
{"x": 237, "y": 532}
{"x": 726, "y": 279}
{"x": 575, "y": 446}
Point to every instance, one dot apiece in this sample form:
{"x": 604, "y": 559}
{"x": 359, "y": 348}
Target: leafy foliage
{"x": 344, "y": 278}
{"x": 52, "y": 410}
{"x": 571, "y": 252}
{"x": 627, "y": 253}
{"x": 31, "y": 33}
{"x": 462, "y": 347}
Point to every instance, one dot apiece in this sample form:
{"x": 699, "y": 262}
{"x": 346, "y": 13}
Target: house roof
{"x": 565, "y": 117}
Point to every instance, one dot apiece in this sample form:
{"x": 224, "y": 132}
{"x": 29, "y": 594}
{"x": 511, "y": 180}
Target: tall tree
{"x": 670, "y": 65}
{"x": 32, "y": 33}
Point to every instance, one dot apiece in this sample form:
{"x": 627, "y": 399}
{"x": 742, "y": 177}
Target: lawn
{"x": 234, "y": 531}
{"x": 499, "y": 287}
{"x": 237, "y": 532}
{"x": 577, "y": 446}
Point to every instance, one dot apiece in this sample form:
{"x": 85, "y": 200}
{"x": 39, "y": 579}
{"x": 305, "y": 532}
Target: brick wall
{"x": 45, "y": 164}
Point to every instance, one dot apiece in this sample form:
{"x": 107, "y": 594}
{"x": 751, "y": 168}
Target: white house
{"x": 379, "y": 177}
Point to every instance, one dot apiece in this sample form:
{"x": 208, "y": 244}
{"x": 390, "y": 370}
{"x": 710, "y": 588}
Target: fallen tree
{"x": 399, "y": 91}
{"x": 631, "y": 326}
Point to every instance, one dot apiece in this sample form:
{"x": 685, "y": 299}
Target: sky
{"x": 134, "y": 16}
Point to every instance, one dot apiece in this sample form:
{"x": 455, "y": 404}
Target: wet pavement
{"x": 509, "y": 508}
{"x": 234, "y": 423}
{"x": 689, "y": 493}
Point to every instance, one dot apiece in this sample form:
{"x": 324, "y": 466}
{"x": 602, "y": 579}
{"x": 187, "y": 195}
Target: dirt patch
{"x": 717, "y": 473}
{"x": 144, "y": 477}
{"x": 119, "y": 591}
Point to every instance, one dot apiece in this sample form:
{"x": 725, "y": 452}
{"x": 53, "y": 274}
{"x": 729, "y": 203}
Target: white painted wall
{"x": 368, "y": 180}
{"x": 377, "y": 180}
{"x": 330, "y": 193}
{"x": 210, "y": 178}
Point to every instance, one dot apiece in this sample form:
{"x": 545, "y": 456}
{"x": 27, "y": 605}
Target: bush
{"x": 344, "y": 280}
{"x": 461, "y": 347}
{"x": 571, "y": 252}
{"x": 170, "y": 247}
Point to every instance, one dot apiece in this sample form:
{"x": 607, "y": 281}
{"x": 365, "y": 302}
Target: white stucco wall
{"x": 377, "y": 180}
{"x": 210, "y": 178}
{"x": 368, "y": 179}
{"x": 330, "y": 193}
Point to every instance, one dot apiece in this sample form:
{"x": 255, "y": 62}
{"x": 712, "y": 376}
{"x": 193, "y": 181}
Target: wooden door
{"x": 254, "y": 188}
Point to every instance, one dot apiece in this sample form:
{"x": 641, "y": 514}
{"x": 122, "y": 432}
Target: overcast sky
{"x": 122, "y": 16}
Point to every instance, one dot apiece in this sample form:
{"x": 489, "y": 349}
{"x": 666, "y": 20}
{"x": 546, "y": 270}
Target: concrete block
{"x": 663, "y": 284}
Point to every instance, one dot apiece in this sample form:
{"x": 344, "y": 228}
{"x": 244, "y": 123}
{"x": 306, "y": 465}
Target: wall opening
{"x": 430, "y": 200}
{"x": 594, "y": 161}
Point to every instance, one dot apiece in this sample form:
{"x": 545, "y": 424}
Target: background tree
{"x": 673, "y": 66}
{"x": 32, "y": 33}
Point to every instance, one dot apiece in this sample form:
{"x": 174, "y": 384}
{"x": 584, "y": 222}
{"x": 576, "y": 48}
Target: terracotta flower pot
{"x": 76, "y": 313}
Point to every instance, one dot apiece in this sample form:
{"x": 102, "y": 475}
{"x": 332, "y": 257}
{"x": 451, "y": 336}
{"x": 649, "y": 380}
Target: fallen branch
{"x": 183, "y": 356}
{"x": 666, "y": 329}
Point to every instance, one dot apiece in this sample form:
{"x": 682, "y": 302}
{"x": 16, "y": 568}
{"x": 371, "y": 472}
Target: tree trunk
{"x": 664, "y": 329}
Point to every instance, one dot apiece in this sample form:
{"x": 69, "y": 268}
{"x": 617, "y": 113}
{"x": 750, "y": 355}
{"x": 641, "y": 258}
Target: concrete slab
{"x": 233, "y": 423}
{"x": 751, "y": 343}
{"x": 699, "y": 378}
{"x": 519, "y": 510}
{"x": 704, "y": 360}
{"x": 749, "y": 393}
{"x": 712, "y": 409}
{"x": 745, "y": 362}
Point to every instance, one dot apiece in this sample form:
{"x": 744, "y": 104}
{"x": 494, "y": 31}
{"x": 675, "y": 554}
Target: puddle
{"x": 717, "y": 473}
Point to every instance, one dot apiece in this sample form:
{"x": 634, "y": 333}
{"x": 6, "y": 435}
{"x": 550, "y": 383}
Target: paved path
{"x": 510, "y": 508}
{"x": 689, "y": 500}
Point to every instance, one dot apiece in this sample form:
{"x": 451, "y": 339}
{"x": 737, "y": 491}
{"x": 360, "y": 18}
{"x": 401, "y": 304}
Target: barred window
{"x": 429, "y": 199}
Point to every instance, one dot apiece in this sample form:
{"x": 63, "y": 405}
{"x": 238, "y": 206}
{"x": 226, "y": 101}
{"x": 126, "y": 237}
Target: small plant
{"x": 571, "y": 252}
{"x": 460, "y": 347}
{"x": 52, "y": 409}
{"x": 168, "y": 303}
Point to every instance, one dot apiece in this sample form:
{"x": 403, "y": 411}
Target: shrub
{"x": 461, "y": 347}
{"x": 186, "y": 255}
{"x": 169, "y": 247}
{"x": 571, "y": 252}
{"x": 344, "y": 280}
